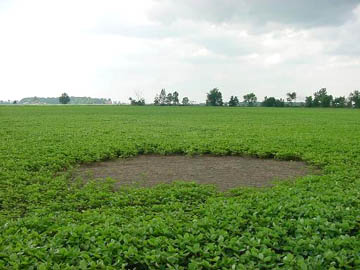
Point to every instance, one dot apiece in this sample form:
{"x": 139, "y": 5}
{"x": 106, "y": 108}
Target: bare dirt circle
{"x": 225, "y": 172}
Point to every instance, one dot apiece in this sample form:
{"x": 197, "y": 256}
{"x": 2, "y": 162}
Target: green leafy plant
{"x": 50, "y": 221}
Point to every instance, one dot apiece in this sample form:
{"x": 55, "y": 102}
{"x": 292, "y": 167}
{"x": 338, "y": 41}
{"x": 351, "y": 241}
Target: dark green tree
{"x": 214, "y": 98}
{"x": 291, "y": 97}
{"x": 250, "y": 99}
{"x": 185, "y": 101}
{"x": 169, "y": 99}
{"x": 64, "y": 98}
{"x": 137, "y": 102}
{"x": 157, "y": 100}
{"x": 339, "y": 102}
{"x": 280, "y": 103}
{"x": 322, "y": 99}
{"x": 354, "y": 98}
{"x": 162, "y": 97}
{"x": 234, "y": 101}
{"x": 273, "y": 102}
{"x": 309, "y": 101}
{"x": 175, "y": 96}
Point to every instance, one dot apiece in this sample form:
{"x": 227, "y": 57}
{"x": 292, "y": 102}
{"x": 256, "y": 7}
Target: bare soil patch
{"x": 225, "y": 172}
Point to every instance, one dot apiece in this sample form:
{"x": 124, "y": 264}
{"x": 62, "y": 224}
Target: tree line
{"x": 320, "y": 98}
{"x": 163, "y": 99}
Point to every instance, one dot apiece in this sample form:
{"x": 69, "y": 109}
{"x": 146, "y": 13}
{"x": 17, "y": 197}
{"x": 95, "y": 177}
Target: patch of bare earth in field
{"x": 225, "y": 172}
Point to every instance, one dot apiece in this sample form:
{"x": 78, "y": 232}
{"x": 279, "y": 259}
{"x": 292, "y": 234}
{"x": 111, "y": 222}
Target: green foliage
{"x": 273, "y": 102}
{"x": 175, "y": 98}
{"x": 185, "y": 101}
{"x": 322, "y": 99}
{"x": 137, "y": 102}
{"x": 291, "y": 97}
{"x": 161, "y": 98}
{"x": 64, "y": 98}
{"x": 49, "y": 221}
{"x": 339, "y": 102}
{"x": 166, "y": 99}
{"x": 355, "y": 98}
{"x": 234, "y": 101}
{"x": 169, "y": 99}
{"x": 214, "y": 98}
{"x": 250, "y": 99}
{"x": 309, "y": 101}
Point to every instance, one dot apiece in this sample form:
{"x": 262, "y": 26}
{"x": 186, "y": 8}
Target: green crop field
{"x": 48, "y": 221}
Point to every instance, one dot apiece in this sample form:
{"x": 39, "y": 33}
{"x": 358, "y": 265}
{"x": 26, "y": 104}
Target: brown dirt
{"x": 223, "y": 171}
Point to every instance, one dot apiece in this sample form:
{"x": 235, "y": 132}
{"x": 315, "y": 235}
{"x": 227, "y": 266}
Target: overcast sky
{"x": 114, "y": 49}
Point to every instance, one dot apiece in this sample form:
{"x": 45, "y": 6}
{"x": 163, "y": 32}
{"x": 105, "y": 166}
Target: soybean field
{"x": 49, "y": 220}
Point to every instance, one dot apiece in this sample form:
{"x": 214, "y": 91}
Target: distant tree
{"x": 64, "y": 98}
{"x": 157, "y": 100}
{"x": 214, "y": 98}
{"x": 250, "y": 99}
{"x": 137, "y": 102}
{"x": 234, "y": 101}
{"x": 315, "y": 102}
{"x": 14, "y": 102}
{"x": 37, "y": 100}
{"x": 339, "y": 102}
{"x": 268, "y": 102}
{"x": 169, "y": 99}
{"x": 280, "y": 102}
{"x": 354, "y": 98}
{"x": 291, "y": 97}
{"x": 309, "y": 101}
{"x": 322, "y": 99}
{"x": 166, "y": 99}
{"x": 162, "y": 97}
{"x": 175, "y": 96}
{"x": 185, "y": 101}
{"x": 273, "y": 102}
{"x": 348, "y": 103}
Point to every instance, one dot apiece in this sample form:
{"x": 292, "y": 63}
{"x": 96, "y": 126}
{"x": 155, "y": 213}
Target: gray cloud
{"x": 332, "y": 21}
{"x": 341, "y": 40}
{"x": 300, "y": 13}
